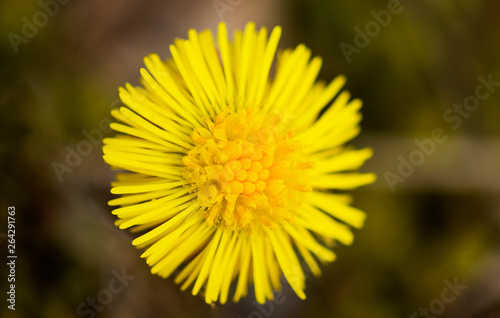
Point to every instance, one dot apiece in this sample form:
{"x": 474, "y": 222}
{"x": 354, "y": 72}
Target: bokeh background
{"x": 440, "y": 225}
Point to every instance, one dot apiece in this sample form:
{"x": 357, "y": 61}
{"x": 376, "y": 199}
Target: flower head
{"x": 230, "y": 170}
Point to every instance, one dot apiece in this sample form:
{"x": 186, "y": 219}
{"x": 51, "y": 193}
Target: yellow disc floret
{"x": 244, "y": 166}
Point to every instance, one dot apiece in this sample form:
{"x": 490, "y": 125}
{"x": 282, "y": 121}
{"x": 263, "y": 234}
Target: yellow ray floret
{"x": 229, "y": 170}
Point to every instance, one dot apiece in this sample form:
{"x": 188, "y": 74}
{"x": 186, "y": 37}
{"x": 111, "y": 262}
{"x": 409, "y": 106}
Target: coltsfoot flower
{"x": 233, "y": 174}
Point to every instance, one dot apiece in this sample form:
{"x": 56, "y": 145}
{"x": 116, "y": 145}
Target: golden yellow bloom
{"x": 230, "y": 170}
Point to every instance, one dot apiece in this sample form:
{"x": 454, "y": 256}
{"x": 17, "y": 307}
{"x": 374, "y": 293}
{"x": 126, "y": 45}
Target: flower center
{"x": 245, "y": 168}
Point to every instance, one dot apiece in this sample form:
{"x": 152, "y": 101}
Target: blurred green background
{"x": 440, "y": 226}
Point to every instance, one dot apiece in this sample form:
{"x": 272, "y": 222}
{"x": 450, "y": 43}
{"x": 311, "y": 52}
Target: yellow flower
{"x": 231, "y": 170}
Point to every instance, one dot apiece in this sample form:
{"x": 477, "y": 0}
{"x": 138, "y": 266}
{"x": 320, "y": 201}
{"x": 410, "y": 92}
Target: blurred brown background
{"x": 432, "y": 221}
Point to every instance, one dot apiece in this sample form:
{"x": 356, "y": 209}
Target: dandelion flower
{"x": 235, "y": 167}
